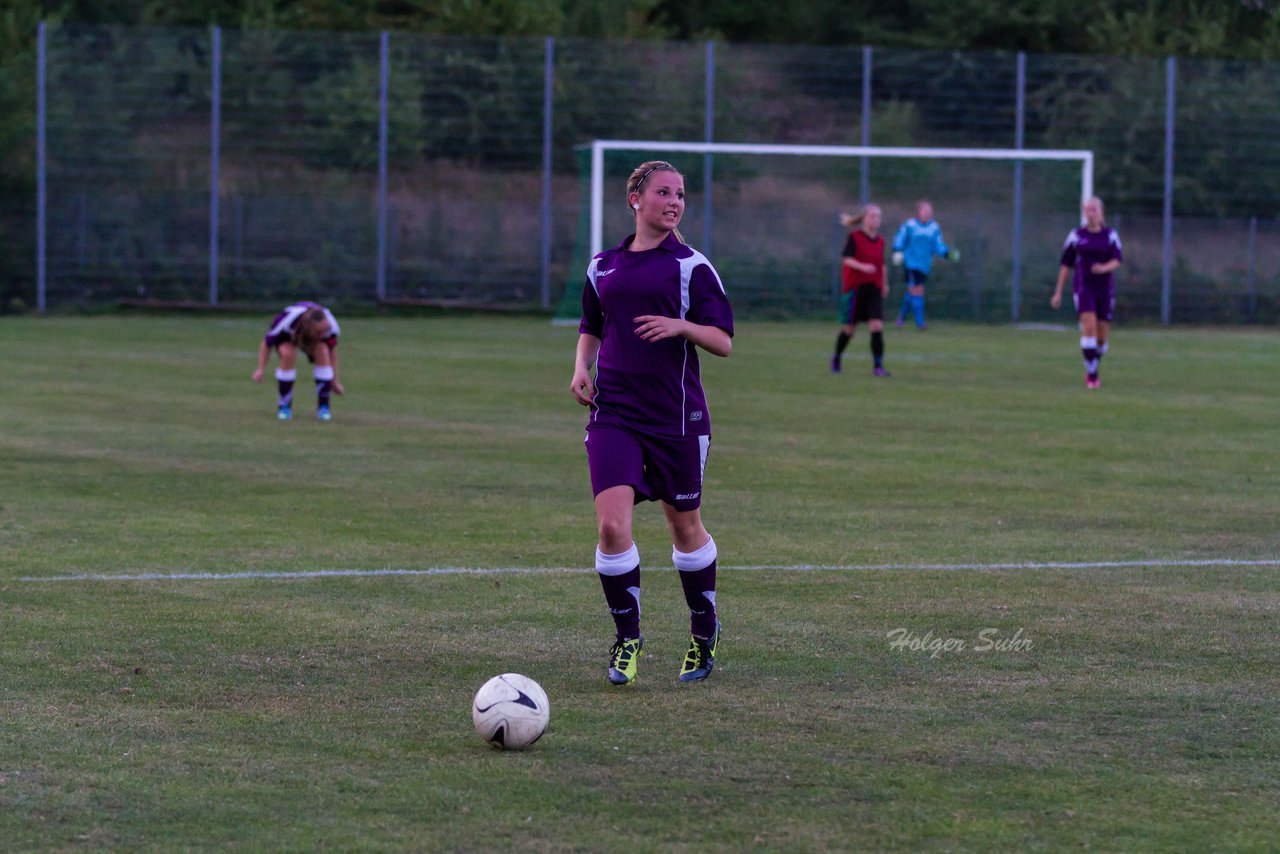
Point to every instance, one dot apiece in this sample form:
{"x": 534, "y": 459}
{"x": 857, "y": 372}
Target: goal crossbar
{"x": 600, "y": 146}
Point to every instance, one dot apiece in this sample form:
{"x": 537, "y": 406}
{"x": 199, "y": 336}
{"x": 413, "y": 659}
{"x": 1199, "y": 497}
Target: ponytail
{"x": 854, "y": 220}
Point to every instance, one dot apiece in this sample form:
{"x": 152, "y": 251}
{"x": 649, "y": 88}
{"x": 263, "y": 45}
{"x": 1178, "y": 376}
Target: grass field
{"x": 1126, "y": 538}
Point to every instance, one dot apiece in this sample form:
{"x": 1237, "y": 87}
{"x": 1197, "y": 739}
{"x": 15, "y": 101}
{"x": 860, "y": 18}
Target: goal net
{"x": 768, "y": 217}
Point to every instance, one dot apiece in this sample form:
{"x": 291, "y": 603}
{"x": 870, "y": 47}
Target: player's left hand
{"x": 653, "y": 327}
{"x": 953, "y": 255}
{"x": 337, "y": 387}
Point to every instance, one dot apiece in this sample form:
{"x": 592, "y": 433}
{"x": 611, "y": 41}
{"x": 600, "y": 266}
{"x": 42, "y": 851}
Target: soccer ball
{"x": 511, "y": 711}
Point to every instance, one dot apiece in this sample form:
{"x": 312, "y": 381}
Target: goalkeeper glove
{"x": 953, "y": 255}
{"x": 897, "y": 259}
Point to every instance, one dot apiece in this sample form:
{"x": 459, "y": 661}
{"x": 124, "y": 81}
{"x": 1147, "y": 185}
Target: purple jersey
{"x": 1083, "y": 249}
{"x": 653, "y": 387}
{"x": 286, "y": 323}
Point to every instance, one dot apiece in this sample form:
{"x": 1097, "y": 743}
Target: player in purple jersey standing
{"x": 311, "y": 328}
{"x": 1093, "y": 252}
{"x": 648, "y": 304}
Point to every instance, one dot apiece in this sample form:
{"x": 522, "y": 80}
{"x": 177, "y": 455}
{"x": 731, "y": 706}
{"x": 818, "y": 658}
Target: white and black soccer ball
{"x": 511, "y": 711}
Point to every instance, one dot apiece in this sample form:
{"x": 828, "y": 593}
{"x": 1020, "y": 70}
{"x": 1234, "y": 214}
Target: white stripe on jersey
{"x": 289, "y": 322}
{"x": 333, "y": 322}
{"x": 1073, "y": 238}
{"x": 591, "y": 275}
{"x": 687, "y": 266}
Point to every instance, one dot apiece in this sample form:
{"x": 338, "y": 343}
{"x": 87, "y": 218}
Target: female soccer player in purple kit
{"x": 1093, "y": 251}
{"x": 647, "y": 305}
{"x": 312, "y": 329}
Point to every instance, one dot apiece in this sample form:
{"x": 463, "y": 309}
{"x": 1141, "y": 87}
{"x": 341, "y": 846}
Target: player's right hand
{"x": 257, "y": 375}
{"x": 1056, "y": 300}
{"x": 582, "y": 387}
{"x": 897, "y": 259}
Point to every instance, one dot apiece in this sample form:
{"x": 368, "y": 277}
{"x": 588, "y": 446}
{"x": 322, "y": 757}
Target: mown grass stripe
{"x": 530, "y": 570}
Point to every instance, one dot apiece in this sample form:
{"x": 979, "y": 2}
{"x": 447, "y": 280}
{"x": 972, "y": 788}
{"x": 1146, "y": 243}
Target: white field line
{"x": 515, "y": 570}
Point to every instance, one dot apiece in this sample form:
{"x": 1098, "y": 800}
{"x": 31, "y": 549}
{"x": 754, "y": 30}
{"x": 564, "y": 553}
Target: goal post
{"x": 600, "y": 146}
{"x": 779, "y": 237}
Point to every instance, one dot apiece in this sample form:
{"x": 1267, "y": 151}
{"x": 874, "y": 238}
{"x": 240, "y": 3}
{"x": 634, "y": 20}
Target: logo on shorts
{"x": 687, "y": 496}
{"x": 696, "y": 415}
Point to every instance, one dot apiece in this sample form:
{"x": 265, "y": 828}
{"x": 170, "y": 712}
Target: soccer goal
{"x": 771, "y": 209}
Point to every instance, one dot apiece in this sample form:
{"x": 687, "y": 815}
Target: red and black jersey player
{"x": 865, "y": 285}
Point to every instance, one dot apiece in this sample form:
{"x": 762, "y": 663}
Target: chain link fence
{"x": 254, "y": 166}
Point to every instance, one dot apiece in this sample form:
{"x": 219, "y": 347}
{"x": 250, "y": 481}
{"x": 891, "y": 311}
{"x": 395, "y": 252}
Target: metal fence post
{"x": 82, "y": 229}
{"x": 837, "y": 278}
{"x": 384, "y": 79}
{"x": 548, "y": 78}
{"x": 1166, "y": 273}
{"x": 215, "y": 134}
{"x": 865, "y": 173}
{"x": 1253, "y": 269}
{"x": 976, "y": 278}
{"x": 1019, "y": 140}
{"x": 709, "y": 129}
{"x": 41, "y": 186}
{"x": 238, "y": 228}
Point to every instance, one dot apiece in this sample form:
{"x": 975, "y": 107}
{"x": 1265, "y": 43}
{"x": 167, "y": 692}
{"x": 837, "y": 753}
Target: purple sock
{"x": 324, "y": 384}
{"x": 1089, "y": 349}
{"x": 620, "y": 578}
{"x": 284, "y": 387}
{"x": 698, "y": 579}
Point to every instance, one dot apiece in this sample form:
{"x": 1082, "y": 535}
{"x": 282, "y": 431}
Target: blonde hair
{"x": 304, "y": 334}
{"x": 641, "y": 174}
{"x": 854, "y": 220}
{"x": 1102, "y": 209}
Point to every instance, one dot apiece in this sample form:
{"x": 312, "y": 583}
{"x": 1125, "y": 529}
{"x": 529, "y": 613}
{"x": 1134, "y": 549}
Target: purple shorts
{"x": 1101, "y": 301}
{"x": 663, "y": 469}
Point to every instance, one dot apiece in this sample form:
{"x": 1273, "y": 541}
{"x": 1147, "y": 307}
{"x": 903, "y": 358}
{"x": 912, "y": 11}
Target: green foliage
{"x": 17, "y": 99}
{"x": 483, "y": 96}
{"x": 344, "y": 101}
{"x": 478, "y": 101}
{"x": 1201, "y": 28}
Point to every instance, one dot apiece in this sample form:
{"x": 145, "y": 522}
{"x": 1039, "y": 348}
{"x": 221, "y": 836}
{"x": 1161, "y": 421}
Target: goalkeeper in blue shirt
{"x": 914, "y": 246}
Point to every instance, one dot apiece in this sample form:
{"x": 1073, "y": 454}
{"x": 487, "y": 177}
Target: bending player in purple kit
{"x": 311, "y": 328}
{"x": 865, "y": 285}
{"x": 1093, "y": 251}
{"x": 647, "y": 305}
